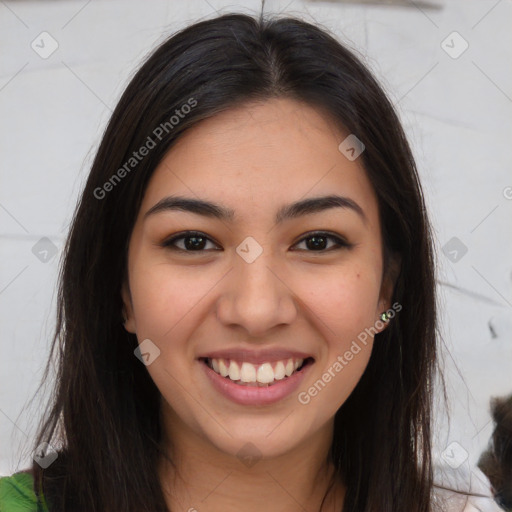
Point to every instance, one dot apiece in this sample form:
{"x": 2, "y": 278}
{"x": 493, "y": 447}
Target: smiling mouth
{"x": 256, "y": 375}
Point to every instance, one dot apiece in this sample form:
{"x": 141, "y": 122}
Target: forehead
{"x": 260, "y": 156}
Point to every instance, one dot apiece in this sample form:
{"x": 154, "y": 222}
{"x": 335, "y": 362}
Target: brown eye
{"x": 319, "y": 242}
{"x": 193, "y": 241}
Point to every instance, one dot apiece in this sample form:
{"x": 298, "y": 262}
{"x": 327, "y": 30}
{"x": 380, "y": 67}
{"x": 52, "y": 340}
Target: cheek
{"x": 164, "y": 303}
{"x": 334, "y": 383}
{"x": 345, "y": 301}
{"x": 347, "y": 350}
{"x": 162, "y": 298}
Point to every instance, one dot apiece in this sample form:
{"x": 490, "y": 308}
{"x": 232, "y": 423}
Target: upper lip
{"x": 255, "y": 356}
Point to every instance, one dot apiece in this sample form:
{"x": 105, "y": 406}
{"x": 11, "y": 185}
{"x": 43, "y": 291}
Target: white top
{"x": 465, "y": 481}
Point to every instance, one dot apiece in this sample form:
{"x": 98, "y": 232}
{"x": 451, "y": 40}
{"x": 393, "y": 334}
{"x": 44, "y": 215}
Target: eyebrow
{"x": 290, "y": 211}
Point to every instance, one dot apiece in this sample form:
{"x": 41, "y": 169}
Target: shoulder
{"x": 462, "y": 490}
{"x": 17, "y": 494}
{"x": 450, "y": 500}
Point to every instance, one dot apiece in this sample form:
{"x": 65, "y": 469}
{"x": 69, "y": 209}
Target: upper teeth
{"x": 247, "y": 372}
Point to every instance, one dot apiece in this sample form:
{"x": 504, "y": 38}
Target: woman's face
{"x": 255, "y": 288}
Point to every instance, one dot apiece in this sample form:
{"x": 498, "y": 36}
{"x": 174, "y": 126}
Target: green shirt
{"x": 17, "y": 494}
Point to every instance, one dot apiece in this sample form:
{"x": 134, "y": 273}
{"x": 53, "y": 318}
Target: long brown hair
{"x": 104, "y": 412}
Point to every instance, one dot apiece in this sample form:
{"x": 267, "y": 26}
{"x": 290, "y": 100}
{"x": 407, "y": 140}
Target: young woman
{"x": 247, "y": 314}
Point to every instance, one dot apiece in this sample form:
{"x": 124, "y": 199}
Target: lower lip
{"x": 254, "y": 395}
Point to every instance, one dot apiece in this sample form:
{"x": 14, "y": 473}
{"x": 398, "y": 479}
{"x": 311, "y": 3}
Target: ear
{"x": 387, "y": 288}
{"x": 129, "y": 323}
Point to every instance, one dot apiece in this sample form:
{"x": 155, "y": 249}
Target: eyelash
{"x": 340, "y": 243}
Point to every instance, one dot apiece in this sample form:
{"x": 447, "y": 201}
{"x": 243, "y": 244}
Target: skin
{"x": 255, "y": 159}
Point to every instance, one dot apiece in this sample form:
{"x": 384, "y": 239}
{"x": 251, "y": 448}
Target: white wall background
{"x": 457, "y": 110}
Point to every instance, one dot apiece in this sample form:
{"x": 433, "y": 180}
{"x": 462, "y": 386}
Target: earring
{"x": 385, "y": 317}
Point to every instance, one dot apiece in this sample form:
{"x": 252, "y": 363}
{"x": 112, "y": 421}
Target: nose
{"x": 256, "y": 298}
